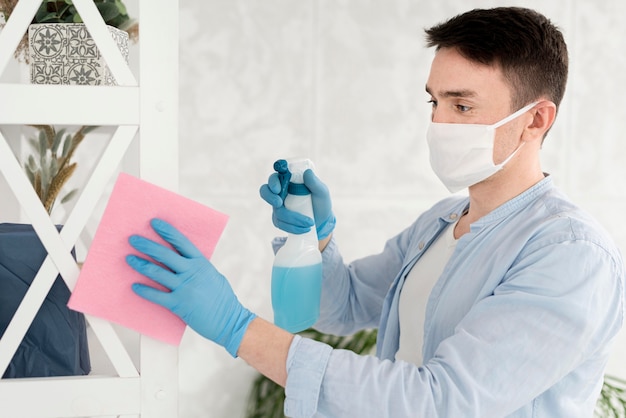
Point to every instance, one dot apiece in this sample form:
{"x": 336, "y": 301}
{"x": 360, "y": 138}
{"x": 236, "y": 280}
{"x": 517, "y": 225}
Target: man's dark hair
{"x": 527, "y": 47}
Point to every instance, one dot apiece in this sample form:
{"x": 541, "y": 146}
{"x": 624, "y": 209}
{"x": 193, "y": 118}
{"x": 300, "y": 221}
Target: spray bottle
{"x": 297, "y": 270}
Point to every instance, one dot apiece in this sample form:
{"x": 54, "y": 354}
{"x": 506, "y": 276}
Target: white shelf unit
{"x": 145, "y": 110}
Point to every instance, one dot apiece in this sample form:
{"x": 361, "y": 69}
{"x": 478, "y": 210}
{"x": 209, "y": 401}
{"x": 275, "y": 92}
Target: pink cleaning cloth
{"x": 104, "y": 289}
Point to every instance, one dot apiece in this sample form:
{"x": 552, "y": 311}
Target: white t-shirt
{"x": 415, "y": 292}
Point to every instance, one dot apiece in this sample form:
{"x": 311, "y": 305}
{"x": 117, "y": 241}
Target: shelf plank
{"x": 24, "y": 104}
{"x": 70, "y": 396}
{"x": 158, "y": 163}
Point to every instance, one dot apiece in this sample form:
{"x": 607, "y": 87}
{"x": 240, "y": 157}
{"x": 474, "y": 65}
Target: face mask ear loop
{"x": 514, "y": 115}
{"x": 508, "y": 119}
{"x": 499, "y": 166}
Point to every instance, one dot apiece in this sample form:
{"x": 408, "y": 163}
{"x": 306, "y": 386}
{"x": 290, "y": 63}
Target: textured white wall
{"x": 342, "y": 82}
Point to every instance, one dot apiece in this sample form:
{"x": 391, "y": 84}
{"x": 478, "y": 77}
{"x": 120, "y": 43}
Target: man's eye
{"x": 433, "y": 102}
{"x": 463, "y": 108}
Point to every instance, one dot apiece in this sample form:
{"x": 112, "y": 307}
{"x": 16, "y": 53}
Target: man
{"x": 502, "y": 303}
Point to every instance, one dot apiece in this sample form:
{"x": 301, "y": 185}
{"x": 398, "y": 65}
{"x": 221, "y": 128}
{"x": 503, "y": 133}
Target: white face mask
{"x": 461, "y": 154}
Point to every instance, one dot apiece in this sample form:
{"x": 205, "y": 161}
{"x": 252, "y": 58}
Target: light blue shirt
{"x": 518, "y": 325}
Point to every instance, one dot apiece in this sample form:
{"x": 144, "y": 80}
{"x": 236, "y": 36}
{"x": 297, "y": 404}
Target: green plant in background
{"x": 612, "y": 401}
{"x": 266, "y": 399}
{"x": 63, "y": 11}
{"x": 49, "y": 166}
{"x": 113, "y": 13}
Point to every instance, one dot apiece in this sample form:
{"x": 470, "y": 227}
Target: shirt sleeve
{"x": 556, "y": 310}
{"x": 306, "y": 365}
{"x": 353, "y": 295}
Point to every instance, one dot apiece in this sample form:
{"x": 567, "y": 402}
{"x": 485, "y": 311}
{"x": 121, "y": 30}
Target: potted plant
{"x": 60, "y": 48}
{"x": 50, "y": 165}
{"x": 612, "y": 400}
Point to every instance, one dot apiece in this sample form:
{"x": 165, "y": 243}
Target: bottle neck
{"x": 298, "y": 189}
{"x": 308, "y": 239}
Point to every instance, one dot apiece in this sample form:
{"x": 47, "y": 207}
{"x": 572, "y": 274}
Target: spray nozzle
{"x": 284, "y": 175}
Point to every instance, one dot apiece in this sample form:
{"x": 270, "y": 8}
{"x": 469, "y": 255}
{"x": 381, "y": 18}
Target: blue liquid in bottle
{"x": 296, "y": 293}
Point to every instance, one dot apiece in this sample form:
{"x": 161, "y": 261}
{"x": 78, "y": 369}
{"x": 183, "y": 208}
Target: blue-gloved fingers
{"x": 322, "y": 206}
{"x": 291, "y": 221}
{"x": 199, "y": 294}
{"x": 157, "y": 273}
{"x": 179, "y": 241}
{"x": 274, "y": 183}
{"x": 313, "y": 183}
{"x": 158, "y": 252}
{"x": 153, "y": 295}
{"x": 270, "y": 197}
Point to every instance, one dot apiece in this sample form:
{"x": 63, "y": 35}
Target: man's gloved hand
{"x": 294, "y": 222}
{"x": 198, "y": 294}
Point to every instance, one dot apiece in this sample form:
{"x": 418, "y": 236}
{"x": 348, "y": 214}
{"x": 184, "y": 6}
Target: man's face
{"x": 466, "y": 92}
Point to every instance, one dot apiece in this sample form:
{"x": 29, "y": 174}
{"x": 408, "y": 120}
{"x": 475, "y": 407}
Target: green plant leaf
{"x": 69, "y": 196}
{"x": 109, "y": 11}
{"x": 32, "y": 164}
{"x": 121, "y": 7}
{"x": 34, "y": 143}
{"x": 66, "y": 145}
{"x": 612, "y": 400}
{"x": 53, "y": 167}
{"x": 58, "y": 138}
{"x": 87, "y": 129}
{"x": 50, "y": 18}
{"x": 64, "y": 9}
{"x": 43, "y": 13}
{"x": 114, "y": 12}
{"x": 43, "y": 143}
{"x": 51, "y": 11}
{"x": 30, "y": 174}
{"x": 117, "y": 21}
{"x": 72, "y": 15}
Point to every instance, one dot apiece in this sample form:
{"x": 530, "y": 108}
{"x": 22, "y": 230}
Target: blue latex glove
{"x": 294, "y": 222}
{"x": 199, "y": 294}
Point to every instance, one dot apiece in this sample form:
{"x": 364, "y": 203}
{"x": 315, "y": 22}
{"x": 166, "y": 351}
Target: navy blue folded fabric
{"x": 56, "y": 342}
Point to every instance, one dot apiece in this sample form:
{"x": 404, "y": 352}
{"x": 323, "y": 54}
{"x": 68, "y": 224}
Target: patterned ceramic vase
{"x": 65, "y": 53}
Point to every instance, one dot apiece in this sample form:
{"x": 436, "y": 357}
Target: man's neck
{"x": 486, "y": 196}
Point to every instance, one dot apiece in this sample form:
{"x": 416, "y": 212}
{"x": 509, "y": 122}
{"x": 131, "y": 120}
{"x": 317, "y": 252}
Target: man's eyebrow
{"x": 454, "y": 93}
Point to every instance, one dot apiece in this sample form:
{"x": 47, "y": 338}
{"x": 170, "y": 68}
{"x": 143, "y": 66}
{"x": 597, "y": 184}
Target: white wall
{"x": 343, "y": 82}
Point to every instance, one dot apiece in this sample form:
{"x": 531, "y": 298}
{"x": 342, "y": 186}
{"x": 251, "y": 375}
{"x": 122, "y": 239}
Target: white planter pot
{"x": 65, "y": 53}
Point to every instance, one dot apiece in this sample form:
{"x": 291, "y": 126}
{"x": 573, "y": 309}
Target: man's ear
{"x": 543, "y": 114}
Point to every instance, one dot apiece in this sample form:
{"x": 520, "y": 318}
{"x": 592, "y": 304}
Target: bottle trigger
{"x": 284, "y": 175}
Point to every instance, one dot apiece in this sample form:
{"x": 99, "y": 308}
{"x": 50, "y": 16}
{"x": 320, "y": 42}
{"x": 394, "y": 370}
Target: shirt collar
{"x": 519, "y": 201}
